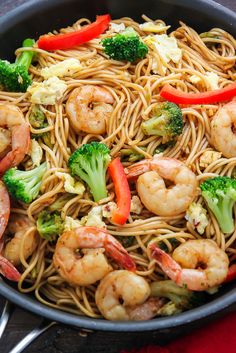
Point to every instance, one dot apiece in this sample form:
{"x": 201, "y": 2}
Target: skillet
{"x": 41, "y": 16}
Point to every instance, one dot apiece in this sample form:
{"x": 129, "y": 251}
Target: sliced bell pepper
{"x": 231, "y": 274}
{"x": 70, "y": 40}
{"x": 176, "y": 96}
{"x": 122, "y": 191}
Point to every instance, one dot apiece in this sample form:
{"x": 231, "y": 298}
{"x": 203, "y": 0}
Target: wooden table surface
{"x": 61, "y": 338}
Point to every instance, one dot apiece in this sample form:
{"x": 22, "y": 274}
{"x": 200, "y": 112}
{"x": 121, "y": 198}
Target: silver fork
{"x": 31, "y": 336}
{"x": 6, "y": 313}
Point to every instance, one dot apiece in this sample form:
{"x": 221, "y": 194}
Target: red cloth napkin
{"x": 217, "y": 337}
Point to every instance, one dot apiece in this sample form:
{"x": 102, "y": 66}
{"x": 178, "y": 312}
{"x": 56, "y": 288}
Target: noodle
{"x": 135, "y": 89}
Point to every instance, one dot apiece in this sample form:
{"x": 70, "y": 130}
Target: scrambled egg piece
{"x": 211, "y": 77}
{"x": 212, "y": 80}
{"x": 209, "y": 157}
{"x": 47, "y": 92}
{"x": 197, "y": 216}
{"x": 108, "y": 209}
{"x": 71, "y": 223}
{"x": 136, "y": 206}
{"x": 117, "y": 28}
{"x": 153, "y": 27}
{"x": 64, "y": 68}
{"x": 166, "y": 47}
{"x": 195, "y": 79}
{"x": 94, "y": 218}
{"x": 36, "y": 153}
{"x": 70, "y": 184}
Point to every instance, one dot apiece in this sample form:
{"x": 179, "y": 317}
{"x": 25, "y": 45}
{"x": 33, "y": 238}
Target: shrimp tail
{"x": 8, "y": 270}
{"x": 7, "y": 162}
{"x": 20, "y": 146}
{"x": 146, "y": 311}
{"x": 5, "y": 209}
{"x": 120, "y": 255}
{"x": 137, "y": 169}
{"x": 147, "y": 165}
{"x": 167, "y": 264}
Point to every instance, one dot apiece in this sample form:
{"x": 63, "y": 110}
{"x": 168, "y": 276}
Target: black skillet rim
{"x": 206, "y": 311}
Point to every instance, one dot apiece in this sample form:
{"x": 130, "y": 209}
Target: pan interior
{"x": 35, "y": 18}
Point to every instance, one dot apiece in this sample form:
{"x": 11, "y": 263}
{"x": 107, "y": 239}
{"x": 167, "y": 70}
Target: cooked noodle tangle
{"x": 135, "y": 89}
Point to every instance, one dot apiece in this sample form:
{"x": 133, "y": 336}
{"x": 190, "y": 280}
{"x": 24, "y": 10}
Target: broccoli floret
{"x": 24, "y": 185}
{"x": 173, "y": 241}
{"x": 131, "y": 155}
{"x": 15, "y": 77}
{"x": 166, "y": 122}
{"x": 37, "y": 118}
{"x": 169, "y": 309}
{"x": 90, "y": 162}
{"x": 220, "y": 196}
{"x": 125, "y": 241}
{"x": 181, "y": 298}
{"x": 126, "y": 46}
{"x": 60, "y": 202}
{"x": 163, "y": 146}
{"x": 50, "y": 225}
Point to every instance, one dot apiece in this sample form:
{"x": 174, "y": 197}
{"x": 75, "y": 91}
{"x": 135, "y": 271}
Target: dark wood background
{"x": 60, "y": 338}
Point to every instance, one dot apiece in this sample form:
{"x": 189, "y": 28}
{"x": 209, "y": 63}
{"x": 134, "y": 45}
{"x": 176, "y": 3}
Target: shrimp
{"x": 156, "y": 197}
{"x": 12, "y": 118}
{"x": 6, "y": 268}
{"x": 4, "y": 208}
{"x": 92, "y": 266}
{"x": 199, "y": 264}
{"x": 88, "y": 108}
{"x": 18, "y": 227}
{"x": 123, "y": 295}
{"x": 223, "y": 128}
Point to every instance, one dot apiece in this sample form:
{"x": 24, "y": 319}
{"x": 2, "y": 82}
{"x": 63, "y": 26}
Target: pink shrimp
{"x": 123, "y": 295}
{"x": 89, "y": 108}
{"x": 12, "y": 118}
{"x": 4, "y": 208}
{"x": 199, "y": 264}
{"x": 93, "y": 265}
{"x": 151, "y": 186}
{"x": 6, "y": 268}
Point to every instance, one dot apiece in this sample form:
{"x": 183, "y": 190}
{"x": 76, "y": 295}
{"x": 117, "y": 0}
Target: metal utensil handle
{"x": 6, "y": 313}
{"x": 30, "y": 337}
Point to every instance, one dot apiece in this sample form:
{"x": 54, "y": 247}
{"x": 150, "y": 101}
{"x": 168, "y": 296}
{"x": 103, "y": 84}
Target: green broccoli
{"x": 173, "y": 241}
{"x": 37, "y": 117}
{"x": 50, "y": 225}
{"x": 24, "y": 185}
{"x": 38, "y": 120}
{"x": 125, "y": 241}
{"x": 15, "y": 77}
{"x": 90, "y": 162}
{"x": 163, "y": 146}
{"x": 60, "y": 202}
{"x": 166, "y": 122}
{"x": 126, "y": 46}
{"x": 180, "y": 298}
{"x": 131, "y": 155}
{"x": 220, "y": 196}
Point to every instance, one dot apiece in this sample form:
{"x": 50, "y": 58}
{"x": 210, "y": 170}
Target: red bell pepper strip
{"x": 122, "y": 191}
{"x": 176, "y": 96}
{"x": 69, "y": 40}
{"x": 231, "y": 274}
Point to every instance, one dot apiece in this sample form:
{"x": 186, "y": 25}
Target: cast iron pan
{"x": 38, "y": 17}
